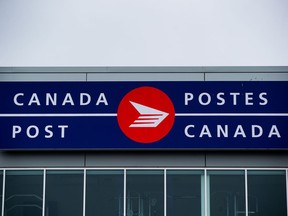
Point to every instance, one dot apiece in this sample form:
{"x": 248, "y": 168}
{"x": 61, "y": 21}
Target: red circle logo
{"x": 146, "y": 114}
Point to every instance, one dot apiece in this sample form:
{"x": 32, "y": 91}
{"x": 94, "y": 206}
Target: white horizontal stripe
{"x": 115, "y": 114}
{"x": 144, "y": 121}
{"x": 231, "y": 114}
{"x": 59, "y": 115}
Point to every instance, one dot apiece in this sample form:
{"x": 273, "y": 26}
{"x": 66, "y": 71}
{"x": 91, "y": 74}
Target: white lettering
{"x": 274, "y": 132}
{"x": 221, "y": 100}
{"x": 16, "y": 102}
{"x": 239, "y": 131}
{"x": 102, "y": 99}
{"x": 264, "y": 100}
{"x": 84, "y": 96}
{"x": 260, "y": 131}
{"x": 15, "y": 130}
{"x": 50, "y": 99}
{"x": 188, "y": 97}
{"x": 36, "y": 131}
{"x": 222, "y": 131}
{"x": 33, "y": 131}
{"x": 68, "y": 99}
{"x": 208, "y": 100}
{"x": 205, "y": 131}
{"x": 48, "y": 131}
{"x": 34, "y": 99}
{"x": 62, "y": 128}
{"x": 249, "y": 98}
{"x": 186, "y": 131}
{"x": 234, "y": 95}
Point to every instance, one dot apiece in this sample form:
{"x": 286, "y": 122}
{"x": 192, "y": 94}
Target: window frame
{"x": 164, "y": 169}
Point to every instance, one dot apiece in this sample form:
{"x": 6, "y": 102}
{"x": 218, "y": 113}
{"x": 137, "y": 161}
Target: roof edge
{"x": 148, "y": 69}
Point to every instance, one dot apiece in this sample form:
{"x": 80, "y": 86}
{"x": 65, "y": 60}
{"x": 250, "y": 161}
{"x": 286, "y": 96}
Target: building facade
{"x": 211, "y": 182}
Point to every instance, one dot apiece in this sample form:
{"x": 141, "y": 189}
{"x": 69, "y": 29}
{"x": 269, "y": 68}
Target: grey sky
{"x": 143, "y": 32}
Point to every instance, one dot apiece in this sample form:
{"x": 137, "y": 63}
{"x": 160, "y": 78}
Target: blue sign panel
{"x": 143, "y": 115}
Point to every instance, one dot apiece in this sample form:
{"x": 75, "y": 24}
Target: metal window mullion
{"x": 205, "y": 193}
{"x": 124, "y": 192}
{"x": 84, "y": 192}
{"x": 286, "y": 191}
{"x": 44, "y": 193}
{"x": 3, "y": 192}
{"x": 165, "y": 192}
{"x": 202, "y": 195}
{"x": 246, "y": 193}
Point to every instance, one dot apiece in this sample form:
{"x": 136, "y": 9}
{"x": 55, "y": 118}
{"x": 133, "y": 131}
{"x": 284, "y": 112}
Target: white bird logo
{"x": 149, "y": 117}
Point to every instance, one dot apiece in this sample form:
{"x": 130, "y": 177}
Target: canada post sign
{"x": 143, "y": 115}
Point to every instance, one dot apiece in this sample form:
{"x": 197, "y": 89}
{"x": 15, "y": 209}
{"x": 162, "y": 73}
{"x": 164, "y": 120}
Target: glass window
{"x": 226, "y": 190}
{"x": 23, "y": 193}
{"x": 145, "y": 193}
{"x": 64, "y": 193}
{"x": 267, "y": 193}
{"x": 1, "y": 189}
{"x": 185, "y": 191}
{"x": 104, "y": 193}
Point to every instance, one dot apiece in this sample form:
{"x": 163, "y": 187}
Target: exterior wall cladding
{"x": 202, "y": 159}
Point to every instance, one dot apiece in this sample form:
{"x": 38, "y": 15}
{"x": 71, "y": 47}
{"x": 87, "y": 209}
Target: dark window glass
{"x": 267, "y": 193}
{"x": 145, "y": 193}
{"x": 23, "y": 193}
{"x": 184, "y": 195}
{"x": 1, "y": 189}
{"x": 64, "y": 193}
{"x": 226, "y": 193}
{"x": 104, "y": 193}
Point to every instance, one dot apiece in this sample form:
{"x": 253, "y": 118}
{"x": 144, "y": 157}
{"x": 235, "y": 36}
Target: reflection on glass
{"x": 184, "y": 192}
{"x": 64, "y": 193}
{"x": 267, "y": 193}
{"x": 227, "y": 193}
{"x": 23, "y": 193}
{"x": 1, "y": 189}
{"x": 145, "y": 193}
{"x": 104, "y": 193}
